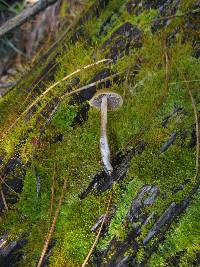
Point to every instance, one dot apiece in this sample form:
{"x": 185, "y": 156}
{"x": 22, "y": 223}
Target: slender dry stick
{"x": 98, "y": 235}
{"x": 4, "y": 200}
{"x": 50, "y": 88}
{"x": 24, "y": 16}
{"x": 64, "y": 79}
{"x": 51, "y": 230}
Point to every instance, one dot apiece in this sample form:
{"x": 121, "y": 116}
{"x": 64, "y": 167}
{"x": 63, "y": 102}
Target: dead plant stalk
{"x": 99, "y": 232}
{"x": 50, "y": 88}
{"x": 51, "y": 230}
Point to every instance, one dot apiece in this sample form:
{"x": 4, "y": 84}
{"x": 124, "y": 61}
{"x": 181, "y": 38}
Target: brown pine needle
{"x": 50, "y": 88}
{"x": 98, "y": 235}
{"x": 51, "y": 230}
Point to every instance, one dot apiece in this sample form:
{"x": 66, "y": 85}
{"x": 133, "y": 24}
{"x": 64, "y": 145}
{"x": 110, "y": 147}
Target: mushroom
{"x": 105, "y": 100}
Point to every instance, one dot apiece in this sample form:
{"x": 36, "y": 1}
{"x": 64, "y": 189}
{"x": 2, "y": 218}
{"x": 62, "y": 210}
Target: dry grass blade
{"x": 50, "y": 88}
{"x": 98, "y": 235}
{"x": 51, "y": 230}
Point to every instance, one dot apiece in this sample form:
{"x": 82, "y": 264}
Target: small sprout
{"x": 105, "y": 100}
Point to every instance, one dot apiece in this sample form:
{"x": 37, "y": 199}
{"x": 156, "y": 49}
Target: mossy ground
{"x": 147, "y": 101}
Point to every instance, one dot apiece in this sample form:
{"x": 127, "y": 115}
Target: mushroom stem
{"x": 105, "y": 151}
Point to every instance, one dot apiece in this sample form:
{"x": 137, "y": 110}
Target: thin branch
{"x": 24, "y": 16}
{"x": 51, "y": 230}
{"x": 88, "y": 86}
{"x": 50, "y": 88}
{"x": 40, "y": 79}
{"x": 98, "y": 235}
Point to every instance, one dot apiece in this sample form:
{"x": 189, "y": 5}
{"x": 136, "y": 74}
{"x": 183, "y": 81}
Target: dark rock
{"x": 138, "y": 6}
{"x": 169, "y": 142}
{"x": 11, "y": 254}
{"x": 167, "y": 215}
{"x": 168, "y": 8}
{"x": 122, "y": 40}
{"x": 146, "y": 196}
{"x": 11, "y": 165}
{"x": 162, "y": 225}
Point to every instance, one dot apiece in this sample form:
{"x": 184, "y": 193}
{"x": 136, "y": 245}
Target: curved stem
{"x": 105, "y": 151}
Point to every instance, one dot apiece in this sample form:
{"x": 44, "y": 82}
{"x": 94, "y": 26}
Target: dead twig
{"x": 50, "y": 88}
{"x": 51, "y": 230}
{"x": 24, "y": 16}
{"x": 99, "y": 232}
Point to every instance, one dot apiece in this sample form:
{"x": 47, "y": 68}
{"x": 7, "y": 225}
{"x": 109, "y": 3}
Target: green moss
{"x": 147, "y": 101}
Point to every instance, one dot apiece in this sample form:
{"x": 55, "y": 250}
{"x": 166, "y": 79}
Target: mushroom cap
{"x": 114, "y": 100}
